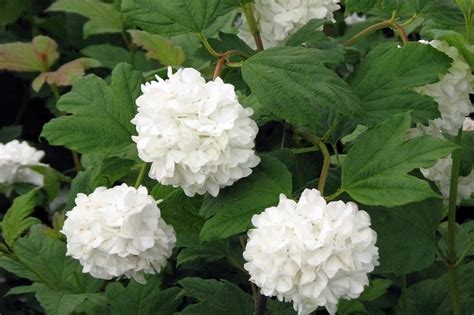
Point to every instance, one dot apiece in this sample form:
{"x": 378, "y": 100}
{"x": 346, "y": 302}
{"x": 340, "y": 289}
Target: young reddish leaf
{"x": 36, "y": 56}
{"x": 66, "y": 74}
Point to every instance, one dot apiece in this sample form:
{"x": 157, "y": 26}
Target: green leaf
{"x": 457, "y": 40}
{"x": 208, "y": 252}
{"x": 109, "y": 56}
{"x": 101, "y": 114}
{"x": 140, "y": 299}
{"x": 9, "y": 133}
{"x": 36, "y": 56}
{"x": 41, "y": 258}
{"x": 386, "y": 79}
{"x": 103, "y": 17}
{"x": 176, "y": 206}
{"x": 216, "y": 297}
{"x": 168, "y": 18}
{"x": 235, "y": 205}
{"x": 158, "y": 47}
{"x": 296, "y": 83}
{"x": 406, "y": 235}
{"x": 60, "y": 302}
{"x": 376, "y": 289}
{"x": 17, "y": 220}
{"x": 374, "y": 171}
{"x": 360, "y": 5}
{"x": 10, "y": 11}
{"x": 443, "y": 12}
{"x": 432, "y": 296}
{"x": 52, "y": 179}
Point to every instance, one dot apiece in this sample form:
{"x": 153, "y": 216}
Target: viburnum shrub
{"x": 236, "y": 157}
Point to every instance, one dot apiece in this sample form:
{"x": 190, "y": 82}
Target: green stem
{"x": 208, "y": 46}
{"x": 325, "y": 169}
{"x": 335, "y": 195}
{"x": 453, "y": 192}
{"x": 464, "y": 254}
{"x": 371, "y": 29}
{"x": 141, "y": 175}
{"x": 401, "y": 33}
{"x": 304, "y": 150}
{"x": 252, "y": 24}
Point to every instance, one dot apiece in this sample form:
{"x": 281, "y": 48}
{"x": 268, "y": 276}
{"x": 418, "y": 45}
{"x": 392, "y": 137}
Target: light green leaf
{"x": 386, "y": 79}
{"x": 216, "y": 297}
{"x": 158, "y": 47}
{"x": 103, "y": 17}
{"x": 296, "y": 83}
{"x": 432, "y": 296}
{"x": 37, "y": 56}
{"x": 101, "y": 114}
{"x": 17, "y": 220}
{"x": 141, "y": 299}
{"x": 168, "y": 18}
{"x": 235, "y": 205}
{"x": 375, "y": 169}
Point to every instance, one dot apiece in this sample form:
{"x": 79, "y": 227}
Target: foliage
{"x": 335, "y": 106}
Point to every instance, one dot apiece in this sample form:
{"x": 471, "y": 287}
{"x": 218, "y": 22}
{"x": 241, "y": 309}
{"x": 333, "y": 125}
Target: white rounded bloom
{"x": 278, "y": 19}
{"x": 354, "y": 18}
{"x": 312, "y": 253}
{"x": 15, "y": 159}
{"x": 118, "y": 232}
{"x": 195, "y": 133}
{"x": 451, "y": 93}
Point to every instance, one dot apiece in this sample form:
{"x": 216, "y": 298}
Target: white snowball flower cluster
{"x": 312, "y": 253}
{"x": 278, "y": 19}
{"x": 468, "y": 124}
{"x": 118, "y": 232}
{"x": 440, "y": 173}
{"x": 15, "y": 159}
{"x": 195, "y": 133}
{"x": 354, "y": 18}
{"x": 451, "y": 93}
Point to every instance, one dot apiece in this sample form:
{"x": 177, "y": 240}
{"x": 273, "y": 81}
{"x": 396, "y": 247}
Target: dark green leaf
{"x": 386, "y": 79}
{"x": 406, "y": 235}
{"x": 141, "y": 299}
{"x": 296, "y": 83}
{"x": 375, "y": 169}
{"x": 9, "y": 133}
{"x": 101, "y": 114}
{"x": 168, "y": 18}
{"x": 216, "y": 297}
{"x": 235, "y": 205}
{"x": 432, "y": 296}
